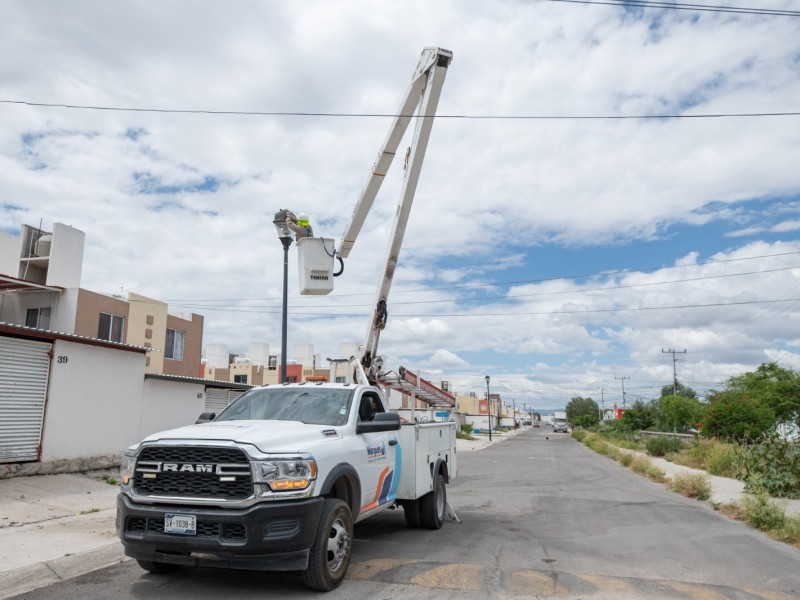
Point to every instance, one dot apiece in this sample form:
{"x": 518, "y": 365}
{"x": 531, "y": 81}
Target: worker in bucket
{"x": 300, "y": 225}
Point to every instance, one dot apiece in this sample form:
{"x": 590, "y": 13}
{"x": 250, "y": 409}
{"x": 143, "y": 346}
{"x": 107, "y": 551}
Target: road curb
{"x": 26, "y": 579}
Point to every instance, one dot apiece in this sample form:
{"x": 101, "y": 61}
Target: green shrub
{"x": 579, "y": 434}
{"x": 643, "y": 466}
{"x": 773, "y": 464}
{"x": 692, "y": 485}
{"x": 790, "y": 532}
{"x": 762, "y": 513}
{"x": 661, "y": 446}
{"x": 597, "y": 444}
{"x": 468, "y": 428}
{"x": 724, "y": 459}
{"x": 625, "y": 459}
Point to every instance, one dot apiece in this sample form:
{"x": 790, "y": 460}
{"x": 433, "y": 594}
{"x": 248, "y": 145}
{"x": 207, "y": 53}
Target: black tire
{"x": 413, "y": 512}
{"x": 434, "y": 504}
{"x": 333, "y": 545}
{"x": 158, "y": 568}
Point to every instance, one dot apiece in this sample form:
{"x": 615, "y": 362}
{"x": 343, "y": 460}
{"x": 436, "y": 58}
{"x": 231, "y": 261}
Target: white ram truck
{"x": 277, "y": 480}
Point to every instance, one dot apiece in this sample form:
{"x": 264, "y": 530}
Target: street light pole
{"x": 285, "y": 313}
{"x": 285, "y": 235}
{"x": 489, "y": 407}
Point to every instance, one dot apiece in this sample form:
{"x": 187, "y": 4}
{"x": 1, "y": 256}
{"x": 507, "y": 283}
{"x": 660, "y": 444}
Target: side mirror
{"x": 381, "y": 422}
{"x": 206, "y": 417}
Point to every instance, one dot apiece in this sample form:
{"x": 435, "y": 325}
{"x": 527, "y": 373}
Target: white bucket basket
{"x": 315, "y": 262}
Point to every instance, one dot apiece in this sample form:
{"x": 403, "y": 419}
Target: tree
{"x": 678, "y": 390}
{"x": 640, "y": 416}
{"x": 734, "y": 415}
{"x": 679, "y": 413}
{"x": 583, "y": 412}
{"x": 772, "y": 386}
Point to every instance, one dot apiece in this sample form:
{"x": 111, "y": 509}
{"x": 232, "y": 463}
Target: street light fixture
{"x": 285, "y": 235}
{"x": 489, "y": 407}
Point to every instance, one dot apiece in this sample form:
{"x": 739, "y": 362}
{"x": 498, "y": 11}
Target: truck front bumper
{"x": 274, "y": 536}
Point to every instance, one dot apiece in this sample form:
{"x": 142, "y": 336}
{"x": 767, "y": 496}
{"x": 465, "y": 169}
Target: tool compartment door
{"x": 422, "y": 445}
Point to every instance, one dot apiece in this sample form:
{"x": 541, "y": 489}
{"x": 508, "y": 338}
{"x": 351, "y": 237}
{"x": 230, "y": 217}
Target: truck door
{"x": 380, "y": 459}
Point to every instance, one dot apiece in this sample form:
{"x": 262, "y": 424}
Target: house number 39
{"x": 62, "y": 360}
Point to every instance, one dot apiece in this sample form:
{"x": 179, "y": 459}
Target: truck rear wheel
{"x": 434, "y": 504}
{"x": 333, "y": 544}
{"x": 158, "y": 567}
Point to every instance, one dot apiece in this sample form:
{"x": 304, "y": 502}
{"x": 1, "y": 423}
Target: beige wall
{"x": 215, "y": 374}
{"x": 192, "y": 346}
{"x": 148, "y": 322}
{"x": 468, "y": 404}
{"x": 147, "y": 327}
{"x": 90, "y": 305}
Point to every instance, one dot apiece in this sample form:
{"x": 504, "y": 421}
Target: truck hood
{"x": 267, "y": 436}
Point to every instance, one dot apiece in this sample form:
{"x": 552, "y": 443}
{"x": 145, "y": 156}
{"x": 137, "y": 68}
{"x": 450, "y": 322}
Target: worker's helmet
{"x": 302, "y": 220}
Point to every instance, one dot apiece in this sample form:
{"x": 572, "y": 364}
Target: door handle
{"x": 393, "y": 442}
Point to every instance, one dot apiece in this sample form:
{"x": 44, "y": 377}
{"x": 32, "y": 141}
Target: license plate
{"x": 182, "y": 524}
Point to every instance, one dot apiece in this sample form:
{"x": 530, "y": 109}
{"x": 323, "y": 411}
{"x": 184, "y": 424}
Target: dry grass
{"x": 691, "y": 485}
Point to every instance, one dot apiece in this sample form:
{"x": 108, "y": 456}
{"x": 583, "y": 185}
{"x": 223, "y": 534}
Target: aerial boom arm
{"x": 423, "y": 76}
{"x": 424, "y": 93}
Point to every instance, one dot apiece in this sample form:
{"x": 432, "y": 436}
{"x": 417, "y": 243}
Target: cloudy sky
{"x": 604, "y": 183}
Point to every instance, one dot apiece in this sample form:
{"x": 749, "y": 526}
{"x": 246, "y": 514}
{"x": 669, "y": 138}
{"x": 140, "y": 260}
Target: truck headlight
{"x": 127, "y": 465}
{"x": 286, "y": 475}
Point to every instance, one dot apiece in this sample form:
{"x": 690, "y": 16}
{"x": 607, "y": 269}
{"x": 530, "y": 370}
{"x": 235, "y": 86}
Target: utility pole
{"x": 623, "y": 389}
{"x": 602, "y": 404}
{"x": 674, "y": 371}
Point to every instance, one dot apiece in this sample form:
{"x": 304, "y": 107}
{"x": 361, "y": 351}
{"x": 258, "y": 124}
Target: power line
{"x": 518, "y": 296}
{"x": 771, "y": 12}
{"x": 523, "y": 281}
{"x": 608, "y": 310}
{"x": 254, "y": 113}
{"x": 513, "y": 313}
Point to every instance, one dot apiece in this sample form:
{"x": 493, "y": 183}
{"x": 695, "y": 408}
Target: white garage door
{"x": 217, "y": 399}
{"x": 24, "y": 369}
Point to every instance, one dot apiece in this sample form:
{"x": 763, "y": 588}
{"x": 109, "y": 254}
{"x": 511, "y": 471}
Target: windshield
{"x": 320, "y": 406}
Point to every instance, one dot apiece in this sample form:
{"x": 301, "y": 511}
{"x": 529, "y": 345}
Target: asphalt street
{"x": 541, "y": 516}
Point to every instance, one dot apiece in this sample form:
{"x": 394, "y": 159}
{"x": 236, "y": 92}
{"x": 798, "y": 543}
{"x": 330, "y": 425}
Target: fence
{"x": 680, "y": 436}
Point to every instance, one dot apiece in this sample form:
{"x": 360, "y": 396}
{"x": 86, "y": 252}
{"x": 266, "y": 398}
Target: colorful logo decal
{"x": 388, "y": 481}
{"x": 376, "y": 452}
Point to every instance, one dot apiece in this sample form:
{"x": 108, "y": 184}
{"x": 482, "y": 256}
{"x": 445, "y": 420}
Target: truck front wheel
{"x": 158, "y": 567}
{"x": 434, "y": 504}
{"x": 333, "y": 544}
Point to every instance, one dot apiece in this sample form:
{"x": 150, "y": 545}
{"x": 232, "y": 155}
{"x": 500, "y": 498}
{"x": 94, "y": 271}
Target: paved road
{"x": 544, "y": 517}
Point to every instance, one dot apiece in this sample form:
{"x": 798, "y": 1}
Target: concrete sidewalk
{"x": 56, "y": 527}
{"x": 724, "y": 489}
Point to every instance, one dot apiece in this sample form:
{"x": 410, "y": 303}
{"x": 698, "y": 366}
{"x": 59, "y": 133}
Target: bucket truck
{"x": 278, "y": 479}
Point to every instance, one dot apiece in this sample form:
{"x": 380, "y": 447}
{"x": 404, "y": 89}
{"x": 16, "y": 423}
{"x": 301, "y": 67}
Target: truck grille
{"x": 229, "y": 532}
{"x": 193, "y": 472}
